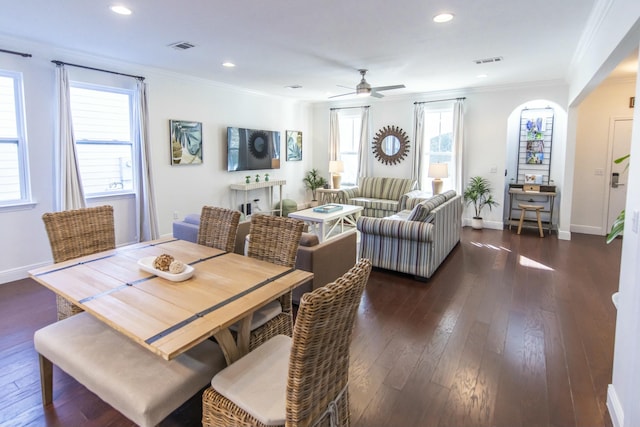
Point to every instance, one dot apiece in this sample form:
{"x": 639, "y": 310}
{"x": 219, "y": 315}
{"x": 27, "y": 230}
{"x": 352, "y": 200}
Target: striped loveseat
{"x": 417, "y": 239}
{"x": 380, "y": 197}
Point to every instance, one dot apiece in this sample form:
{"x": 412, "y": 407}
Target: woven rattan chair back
{"x": 319, "y": 361}
{"x": 318, "y": 373}
{"x": 275, "y": 239}
{"x": 218, "y": 228}
{"x": 77, "y": 233}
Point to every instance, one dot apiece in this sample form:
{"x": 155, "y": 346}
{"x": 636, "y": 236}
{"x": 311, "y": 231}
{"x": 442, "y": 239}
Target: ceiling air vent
{"x": 182, "y": 45}
{"x": 488, "y": 60}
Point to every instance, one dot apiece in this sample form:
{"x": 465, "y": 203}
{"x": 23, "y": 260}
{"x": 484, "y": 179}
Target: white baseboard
{"x": 564, "y": 235}
{"x": 492, "y": 225}
{"x": 586, "y": 229}
{"x": 20, "y": 272}
{"x": 615, "y": 409}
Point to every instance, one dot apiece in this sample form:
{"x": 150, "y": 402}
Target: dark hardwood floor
{"x": 510, "y": 331}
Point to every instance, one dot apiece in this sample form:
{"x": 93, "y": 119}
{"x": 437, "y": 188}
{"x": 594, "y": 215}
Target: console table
{"x": 257, "y": 185}
{"x": 545, "y": 195}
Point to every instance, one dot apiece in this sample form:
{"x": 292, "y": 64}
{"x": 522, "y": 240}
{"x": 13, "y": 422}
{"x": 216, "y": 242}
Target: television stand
{"x": 257, "y": 185}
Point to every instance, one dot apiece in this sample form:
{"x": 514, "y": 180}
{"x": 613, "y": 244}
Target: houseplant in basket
{"x": 478, "y": 193}
{"x": 313, "y": 181}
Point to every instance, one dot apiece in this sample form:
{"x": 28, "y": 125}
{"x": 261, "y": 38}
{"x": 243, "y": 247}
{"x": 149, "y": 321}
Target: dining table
{"x": 165, "y": 316}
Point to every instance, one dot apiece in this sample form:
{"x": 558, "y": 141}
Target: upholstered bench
{"x": 141, "y": 385}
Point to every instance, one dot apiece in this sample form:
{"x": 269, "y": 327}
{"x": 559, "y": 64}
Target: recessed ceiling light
{"x": 294, "y": 87}
{"x": 443, "y": 17}
{"x": 481, "y": 76}
{"x": 228, "y": 64}
{"x": 120, "y": 10}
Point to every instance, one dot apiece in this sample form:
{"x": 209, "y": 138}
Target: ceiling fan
{"x": 364, "y": 89}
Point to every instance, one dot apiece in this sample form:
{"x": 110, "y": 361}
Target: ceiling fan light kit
{"x": 364, "y": 88}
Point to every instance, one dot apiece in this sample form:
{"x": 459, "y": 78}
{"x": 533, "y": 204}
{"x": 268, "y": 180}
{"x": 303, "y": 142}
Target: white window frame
{"x": 449, "y": 182}
{"x": 21, "y": 140}
{"x": 350, "y": 146}
{"x": 134, "y": 149}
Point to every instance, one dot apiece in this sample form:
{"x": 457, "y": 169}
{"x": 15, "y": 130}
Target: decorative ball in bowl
{"x": 167, "y": 267}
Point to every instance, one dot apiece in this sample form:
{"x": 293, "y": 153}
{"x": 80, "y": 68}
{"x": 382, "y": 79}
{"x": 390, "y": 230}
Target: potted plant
{"x": 478, "y": 193}
{"x": 313, "y": 181}
{"x": 617, "y": 228}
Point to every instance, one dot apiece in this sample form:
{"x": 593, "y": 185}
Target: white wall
{"x": 624, "y": 389}
{"x": 486, "y": 124}
{"x": 611, "y": 37}
{"x": 590, "y": 198}
{"x": 181, "y": 189}
{"x": 558, "y": 159}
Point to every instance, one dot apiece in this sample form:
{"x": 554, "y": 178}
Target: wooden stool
{"x": 524, "y": 208}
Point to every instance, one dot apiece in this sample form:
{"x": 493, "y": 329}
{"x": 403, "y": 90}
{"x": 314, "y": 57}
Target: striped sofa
{"x": 380, "y": 197}
{"x": 417, "y": 239}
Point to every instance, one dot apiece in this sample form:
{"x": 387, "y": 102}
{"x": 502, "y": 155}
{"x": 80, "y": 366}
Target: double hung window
{"x": 349, "y": 146}
{"x": 438, "y": 143}
{"x": 14, "y": 173}
{"x": 102, "y": 127}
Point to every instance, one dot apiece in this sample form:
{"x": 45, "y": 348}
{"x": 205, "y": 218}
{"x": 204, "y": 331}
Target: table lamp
{"x": 336, "y": 167}
{"x": 437, "y": 171}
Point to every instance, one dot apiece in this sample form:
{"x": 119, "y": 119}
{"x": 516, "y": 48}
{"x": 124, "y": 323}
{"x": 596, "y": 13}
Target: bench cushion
{"x": 141, "y": 385}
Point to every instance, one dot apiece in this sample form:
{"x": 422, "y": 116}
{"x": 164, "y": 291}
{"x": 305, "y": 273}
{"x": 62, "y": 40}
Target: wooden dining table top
{"x": 169, "y": 317}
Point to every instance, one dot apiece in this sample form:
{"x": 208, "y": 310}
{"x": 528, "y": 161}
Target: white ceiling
{"x": 318, "y": 45}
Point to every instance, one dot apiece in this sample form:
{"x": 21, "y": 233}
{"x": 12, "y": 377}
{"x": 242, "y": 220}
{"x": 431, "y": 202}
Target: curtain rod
{"x": 440, "y": 100}
{"x": 24, "y": 55}
{"x": 348, "y": 108}
{"x": 97, "y": 69}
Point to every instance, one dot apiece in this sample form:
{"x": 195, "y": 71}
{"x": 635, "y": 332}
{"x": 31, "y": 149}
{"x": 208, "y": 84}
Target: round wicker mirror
{"x": 390, "y": 145}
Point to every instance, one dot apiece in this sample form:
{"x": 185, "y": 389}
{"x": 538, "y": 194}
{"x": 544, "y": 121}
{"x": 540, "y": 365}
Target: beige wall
{"x": 590, "y": 195}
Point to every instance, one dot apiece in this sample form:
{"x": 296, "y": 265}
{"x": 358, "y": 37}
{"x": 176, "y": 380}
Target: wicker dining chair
{"x": 77, "y": 233}
{"x": 218, "y": 228}
{"x": 301, "y": 381}
{"x": 274, "y": 239}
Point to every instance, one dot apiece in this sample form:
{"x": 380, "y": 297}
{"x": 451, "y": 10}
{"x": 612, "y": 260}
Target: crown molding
{"x": 594, "y": 22}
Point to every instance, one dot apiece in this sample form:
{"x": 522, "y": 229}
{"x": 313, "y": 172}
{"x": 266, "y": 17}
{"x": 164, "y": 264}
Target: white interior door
{"x": 621, "y": 146}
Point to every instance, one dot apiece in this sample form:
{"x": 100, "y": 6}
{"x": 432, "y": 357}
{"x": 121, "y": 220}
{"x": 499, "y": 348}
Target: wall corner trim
{"x": 616, "y": 412}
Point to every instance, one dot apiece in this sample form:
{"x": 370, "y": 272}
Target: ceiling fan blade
{"x": 388, "y": 87}
{"x": 343, "y": 94}
{"x": 376, "y": 94}
{"x": 346, "y": 87}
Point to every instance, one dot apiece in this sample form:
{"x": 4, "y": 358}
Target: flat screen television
{"x": 252, "y": 149}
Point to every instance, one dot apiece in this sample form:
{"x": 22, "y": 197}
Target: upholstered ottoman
{"x": 187, "y": 229}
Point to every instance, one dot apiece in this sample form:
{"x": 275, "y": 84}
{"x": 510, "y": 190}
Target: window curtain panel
{"x": 68, "y": 184}
{"x": 364, "y": 159}
{"x": 334, "y": 135}
{"x": 146, "y": 218}
{"x": 458, "y": 144}
{"x": 418, "y": 137}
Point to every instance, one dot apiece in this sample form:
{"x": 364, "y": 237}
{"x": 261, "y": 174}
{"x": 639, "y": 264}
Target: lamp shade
{"x": 438, "y": 170}
{"x": 336, "y": 166}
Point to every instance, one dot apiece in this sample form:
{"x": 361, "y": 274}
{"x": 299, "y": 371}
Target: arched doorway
{"x": 546, "y": 158}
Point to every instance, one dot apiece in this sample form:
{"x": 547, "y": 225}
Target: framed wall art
{"x": 186, "y": 142}
{"x": 294, "y": 145}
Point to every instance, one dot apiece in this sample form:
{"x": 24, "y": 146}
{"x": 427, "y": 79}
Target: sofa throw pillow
{"x": 420, "y": 212}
